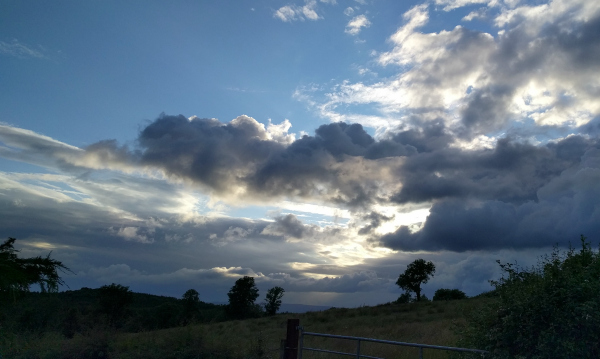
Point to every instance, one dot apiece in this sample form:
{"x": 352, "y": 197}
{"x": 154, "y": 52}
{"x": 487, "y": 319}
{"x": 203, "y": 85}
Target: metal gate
{"x": 358, "y": 340}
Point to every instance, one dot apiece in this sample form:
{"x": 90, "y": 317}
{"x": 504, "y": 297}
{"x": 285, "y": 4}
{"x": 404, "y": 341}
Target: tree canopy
{"x": 114, "y": 301}
{"x": 18, "y": 274}
{"x": 241, "y": 298}
{"x": 273, "y": 300}
{"x": 416, "y": 273}
{"x": 191, "y": 302}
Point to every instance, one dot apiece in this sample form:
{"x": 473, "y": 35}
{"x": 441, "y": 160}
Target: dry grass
{"x": 427, "y": 323}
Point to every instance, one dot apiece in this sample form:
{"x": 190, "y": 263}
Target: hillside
{"x": 429, "y": 323}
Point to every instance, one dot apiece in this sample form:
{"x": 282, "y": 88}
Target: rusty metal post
{"x": 291, "y": 340}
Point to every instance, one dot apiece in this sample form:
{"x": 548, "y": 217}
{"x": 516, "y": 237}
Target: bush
{"x": 449, "y": 294}
{"x": 551, "y": 310}
{"x": 404, "y": 298}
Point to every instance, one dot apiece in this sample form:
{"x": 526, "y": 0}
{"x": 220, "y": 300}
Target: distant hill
{"x": 293, "y": 308}
{"x": 301, "y": 308}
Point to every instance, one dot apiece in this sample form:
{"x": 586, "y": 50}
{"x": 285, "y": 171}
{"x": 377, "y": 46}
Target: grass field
{"x": 427, "y": 323}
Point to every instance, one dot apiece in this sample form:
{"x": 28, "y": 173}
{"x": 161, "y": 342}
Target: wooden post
{"x": 291, "y": 340}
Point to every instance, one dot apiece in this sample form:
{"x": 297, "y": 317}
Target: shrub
{"x": 404, "y": 298}
{"x": 551, "y": 310}
{"x": 449, "y": 294}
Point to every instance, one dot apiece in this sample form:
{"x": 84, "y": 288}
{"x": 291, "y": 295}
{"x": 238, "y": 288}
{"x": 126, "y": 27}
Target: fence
{"x": 297, "y": 334}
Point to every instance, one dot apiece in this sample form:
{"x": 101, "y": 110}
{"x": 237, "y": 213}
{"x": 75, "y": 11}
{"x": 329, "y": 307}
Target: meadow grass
{"x": 426, "y": 323}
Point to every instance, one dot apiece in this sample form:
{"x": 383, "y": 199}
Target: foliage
{"x": 241, "y": 298}
{"x": 416, "y": 273}
{"x": 18, "y": 274}
{"x": 191, "y": 302}
{"x": 550, "y": 310}
{"x": 404, "y": 298}
{"x": 273, "y": 300}
{"x": 449, "y": 294}
{"x": 113, "y": 301}
{"x": 77, "y": 312}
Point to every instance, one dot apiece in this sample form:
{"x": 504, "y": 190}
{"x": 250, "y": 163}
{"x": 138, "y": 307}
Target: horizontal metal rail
{"x": 372, "y": 340}
{"x": 341, "y": 353}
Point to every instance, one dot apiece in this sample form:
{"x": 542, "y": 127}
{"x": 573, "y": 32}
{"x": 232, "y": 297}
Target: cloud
{"x": 537, "y": 69}
{"x": 242, "y": 160}
{"x": 288, "y": 226}
{"x": 477, "y": 14}
{"x": 511, "y": 172}
{"x": 291, "y": 13}
{"x": 357, "y": 24}
{"x": 565, "y": 207}
{"x": 375, "y": 220}
{"x": 455, "y": 4}
{"x": 20, "y": 50}
{"x": 493, "y": 135}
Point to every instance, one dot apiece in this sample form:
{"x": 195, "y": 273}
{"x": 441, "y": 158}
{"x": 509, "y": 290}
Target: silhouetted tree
{"x": 18, "y": 274}
{"x": 416, "y": 273}
{"x": 191, "y": 302}
{"x": 114, "y": 301}
{"x": 273, "y": 300}
{"x": 241, "y": 298}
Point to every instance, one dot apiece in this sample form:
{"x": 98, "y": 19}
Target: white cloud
{"x": 477, "y": 14}
{"x": 536, "y": 69}
{"x": 291, "y": 13}
{"x": 349, "y": 11}
{"x": 19, "y": 50}
{"x": 357, "y": 24}
{"x": 455, "y": 4}
{"x": 134, "y": 234}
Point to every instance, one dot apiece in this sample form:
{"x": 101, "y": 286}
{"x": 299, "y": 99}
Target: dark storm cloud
{"x": 375, "y": 220}
{"x": 240, "y": 157}
{"x": 425, "y": 138}
{"x": 486, "y": 109}
{"x": 206, "y": 150}
{"x": 288, "y": 226}
{"x": 567, "y": 205}
{"x": 511, "y": 172}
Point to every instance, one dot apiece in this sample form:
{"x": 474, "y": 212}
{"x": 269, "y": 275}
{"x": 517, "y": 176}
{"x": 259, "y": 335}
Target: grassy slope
{"x": 429, "y": 323}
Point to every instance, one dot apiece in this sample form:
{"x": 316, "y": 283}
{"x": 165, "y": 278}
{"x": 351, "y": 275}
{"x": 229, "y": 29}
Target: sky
{"x": 316, "y": 145}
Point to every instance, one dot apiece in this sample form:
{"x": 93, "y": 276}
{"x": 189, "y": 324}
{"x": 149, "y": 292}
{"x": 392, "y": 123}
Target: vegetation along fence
{"x": 296, "y": 334}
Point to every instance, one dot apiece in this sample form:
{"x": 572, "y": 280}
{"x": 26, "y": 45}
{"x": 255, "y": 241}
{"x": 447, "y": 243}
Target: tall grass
{"x": 426, "y": 323}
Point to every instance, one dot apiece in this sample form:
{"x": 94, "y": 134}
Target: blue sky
{"x": 316, "y": 145}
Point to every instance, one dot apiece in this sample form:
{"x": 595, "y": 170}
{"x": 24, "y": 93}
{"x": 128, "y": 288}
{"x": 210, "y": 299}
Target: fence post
{"x": 291, "y": 340}
{"x": 282, "y": 349}
{"x": 301, "y": 345}
{"x": 358, "y": 349}
{"x": 420, "y": 352}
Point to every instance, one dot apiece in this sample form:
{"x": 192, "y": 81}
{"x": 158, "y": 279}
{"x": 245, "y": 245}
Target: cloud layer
{"x": 476, "y": 145}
